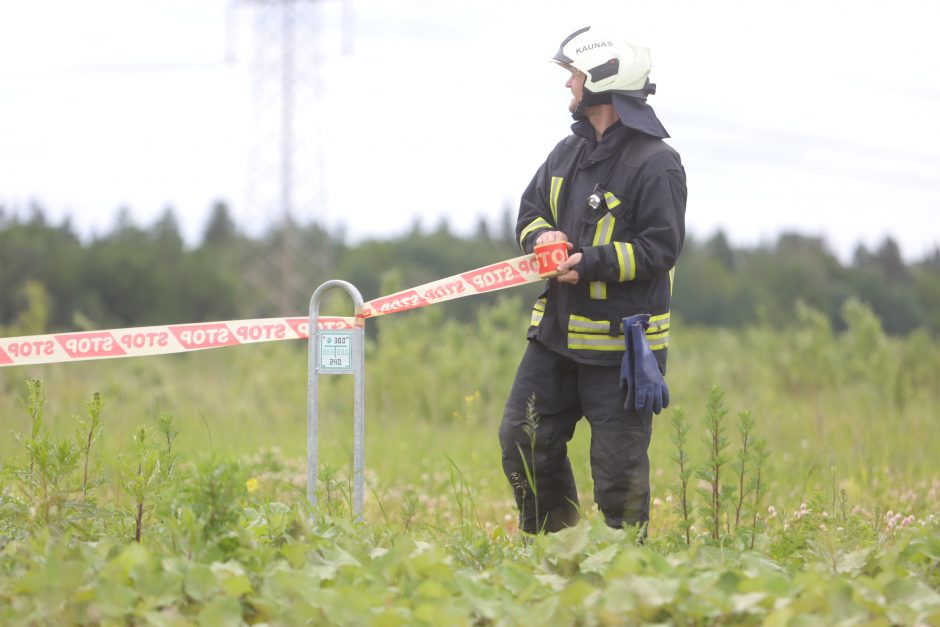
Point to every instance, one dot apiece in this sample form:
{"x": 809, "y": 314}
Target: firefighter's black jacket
{"x": 629, "y": 243}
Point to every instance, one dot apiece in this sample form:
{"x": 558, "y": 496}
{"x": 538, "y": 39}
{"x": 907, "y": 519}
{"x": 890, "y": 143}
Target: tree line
{"x": 53, "y": 280}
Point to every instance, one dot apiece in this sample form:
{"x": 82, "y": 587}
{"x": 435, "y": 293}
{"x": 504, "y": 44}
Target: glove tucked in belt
{"x": 639, "y": 373}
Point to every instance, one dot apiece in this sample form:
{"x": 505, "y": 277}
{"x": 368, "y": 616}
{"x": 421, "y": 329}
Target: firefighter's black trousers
{"x": 564, "y": 391}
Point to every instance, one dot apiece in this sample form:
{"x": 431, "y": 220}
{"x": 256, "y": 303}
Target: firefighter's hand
{"x": 547, "y": 237}
{"x": 565, "y": 267}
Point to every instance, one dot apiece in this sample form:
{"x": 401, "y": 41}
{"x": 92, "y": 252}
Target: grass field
{"x": 842, "y": 528}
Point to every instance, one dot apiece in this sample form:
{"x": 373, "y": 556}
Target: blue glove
{"x": 639, "y": 372}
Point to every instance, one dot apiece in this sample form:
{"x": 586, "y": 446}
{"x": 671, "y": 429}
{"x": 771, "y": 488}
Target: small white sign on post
{"x": 335, "y": 352}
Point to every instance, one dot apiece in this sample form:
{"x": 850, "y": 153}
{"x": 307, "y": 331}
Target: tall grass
{"x": 181, "y": 497}
{"x": 858, "y": 401}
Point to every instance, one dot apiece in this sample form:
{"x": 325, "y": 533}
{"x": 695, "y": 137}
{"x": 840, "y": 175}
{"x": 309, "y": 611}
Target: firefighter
{"x": 616, "y": 193}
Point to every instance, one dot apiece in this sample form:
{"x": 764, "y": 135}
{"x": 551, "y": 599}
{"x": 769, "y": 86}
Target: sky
{"x": 810, "y": 117}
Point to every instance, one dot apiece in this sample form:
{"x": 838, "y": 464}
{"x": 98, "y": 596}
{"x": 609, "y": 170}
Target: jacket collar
{"x": 609, "y": 145}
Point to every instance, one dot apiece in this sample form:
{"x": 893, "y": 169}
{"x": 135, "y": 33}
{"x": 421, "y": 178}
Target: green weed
{"x": 842, "y": 528}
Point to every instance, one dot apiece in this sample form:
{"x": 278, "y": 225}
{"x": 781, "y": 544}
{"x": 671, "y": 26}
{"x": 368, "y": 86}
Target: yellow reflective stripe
{"x": 587, "y": 334}
{"x": 595, "y": 342}
{"x": 554, "y": 191}
{"x": 658, "y": 336}
{"x": 619, "y": 249}
{"x": 604, "y": 230}
{"x": 612, "y": 201}
{"x": 602, "y": 236}
{"x": 580, "y": 323}
{"x": 597, "y": 232}
{"x": 598, "y": 290}
{"x": 625, "y": 260}
{"x": 658, "y": 323}
{"x": 538, "y": 223}
{"x": 538, "y": 311}
{"x": 659, "y": 342}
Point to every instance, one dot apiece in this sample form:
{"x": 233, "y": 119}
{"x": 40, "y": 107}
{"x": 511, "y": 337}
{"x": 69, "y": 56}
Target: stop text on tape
{"x": 180, "y": 338}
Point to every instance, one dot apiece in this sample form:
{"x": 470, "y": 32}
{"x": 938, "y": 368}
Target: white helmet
{"x": 611, "y": 65}
{"x": 616, "y": 72}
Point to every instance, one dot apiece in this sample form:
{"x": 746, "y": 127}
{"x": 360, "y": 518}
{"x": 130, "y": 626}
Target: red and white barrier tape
{"x": 181, "y": 338}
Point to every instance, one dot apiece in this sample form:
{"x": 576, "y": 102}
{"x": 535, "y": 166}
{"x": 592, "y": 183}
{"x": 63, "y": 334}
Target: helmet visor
{"x": 560, "y": 56}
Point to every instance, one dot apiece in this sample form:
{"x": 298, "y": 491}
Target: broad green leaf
{"x": 200, "y": 583}
{"x": 284, "y": 584}
{"x": 853, "y": 563}
{"x": 704, "y": 582}
{"x": 785, "y": 616}
{"x": 654, "y": 591}
{"x": 576, "y": 593}
{"x": 776, "y": 585}
{"x": 348, "y": 605}
{"x": 555, "y": 582}
{"x": 431, "y": 589}
{"x": 295, "y": 553}
{"x": 232, "y": 578}
{"x": 221, "y": 611}
{"x": 755, "y": 565}
{"x": 747, "y": 603}
{"x": 158, "y": 586}
{"x": 618, "y": 599}
{"x": 442, "y": 614}
{"x": 166, "y": 617}
{"x": 568, "y": 543}
{"x": 635, "y": 560}
{"x": 483, "y": 597}
{"x": 598, "y": 562}
{"x": 729, "y": 581}
{"x": 396, "y": 617}
{"x": 519, "y": 581}
{"x": 329, "y": 600}
{"x": 322, "y": 572}
{"x": 114, "y": 600}
{"x": 545, "y": 612}
{"x": 431, "y": 562}
{"x": 931, "y": 547}
{"x": 336, "y": 556}
{"x": 118, "y": 569}
{"x": 913, "y": 594}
